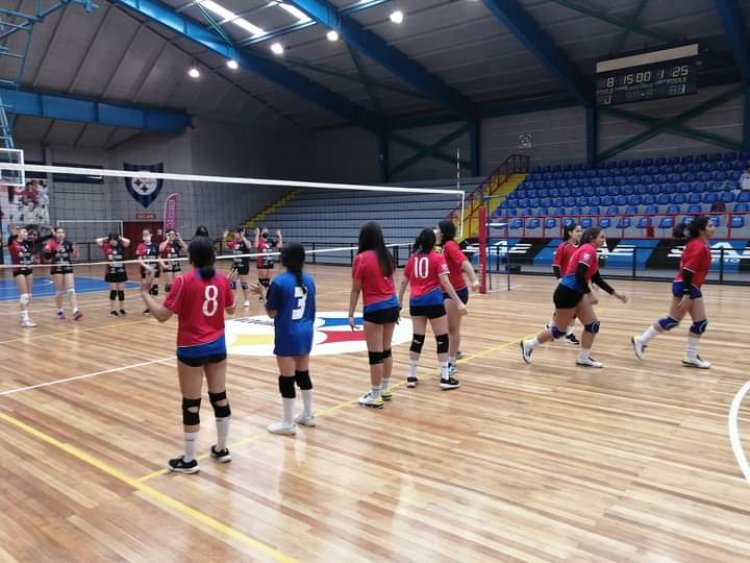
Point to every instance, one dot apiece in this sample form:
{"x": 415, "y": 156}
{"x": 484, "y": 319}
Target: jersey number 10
{"x": 422, "y": 267}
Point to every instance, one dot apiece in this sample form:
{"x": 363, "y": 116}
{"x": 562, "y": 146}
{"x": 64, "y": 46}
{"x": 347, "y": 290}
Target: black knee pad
{"x": 244, "y": 286}
{"x": 121, "y": 295}
{"x": 265, "y": 282}
{"x": 376, "y": 358}
{"x": 417, "y": 341}
{"x": 443, "y": 343}
{"x": 154, "y": 290}
{"x": 168, "y": 288}
{"x": 190, "y": 418}
{"x": 387, "y": 354}
{"x": 303, "y": 380}
{"x": 592, "y": 327}
{"x": 112, "y": 294}
{"x": 220, "y": 411}
{"x": 286, "y": 387}
{"x": 699, "y": 327}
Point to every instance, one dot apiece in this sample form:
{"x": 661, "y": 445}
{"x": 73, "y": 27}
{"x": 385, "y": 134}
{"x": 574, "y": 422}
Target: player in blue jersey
{"x": 290, "y": 302}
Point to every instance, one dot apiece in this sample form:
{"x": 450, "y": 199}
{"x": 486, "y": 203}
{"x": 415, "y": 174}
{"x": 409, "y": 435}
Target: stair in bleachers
{"x": 260, "y": 217}
{"x": 633, "y": 196}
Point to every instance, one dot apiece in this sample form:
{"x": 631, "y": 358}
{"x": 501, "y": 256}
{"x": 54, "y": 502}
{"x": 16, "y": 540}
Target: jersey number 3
{"x": 210, "y": 300}
{"x": 299, "y": 310}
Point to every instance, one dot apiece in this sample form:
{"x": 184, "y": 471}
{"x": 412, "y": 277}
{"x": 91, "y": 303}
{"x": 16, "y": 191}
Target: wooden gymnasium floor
{"x": 545, "y": 462}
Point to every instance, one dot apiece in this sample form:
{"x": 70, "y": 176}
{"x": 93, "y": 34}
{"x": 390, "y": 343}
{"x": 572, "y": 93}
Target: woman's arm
{"x": 468, "y": 269}
{"x": 445, "y": 282}
{"x": 158, "y": 311}
{"x": 353, "y": 298}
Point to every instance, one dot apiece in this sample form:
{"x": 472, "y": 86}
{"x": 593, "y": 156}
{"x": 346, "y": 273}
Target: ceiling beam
{"x": 736, "y": 33}
{"x": 388, "y": 57}
{"x": 540, "y": 43}
{"x": 270, "y": 70}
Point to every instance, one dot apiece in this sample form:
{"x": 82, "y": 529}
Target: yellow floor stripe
{"x": 164, "y": 499}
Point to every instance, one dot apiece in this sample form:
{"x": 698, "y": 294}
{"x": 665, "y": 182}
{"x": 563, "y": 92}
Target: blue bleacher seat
{"x": 716, "y": 220}
{"x": 534, "y": 223}
{"x": 511, "y": 212}
{"x": 695, "y": 208}
{"x": 587, "y": 222}
{"x": 681, "y": 168}
{"x": 715, "y": 157}
{"x": 742, "y": 208}
{"x": 674, "y": 209}
{"x": 528, "y": 212}
{"x": 672, "y": 160}
{"x": 661, "y": 161}
{"x": 666, "y": 223}
{"x": 594, "y": 211}
{"x": 694, "y": 167}
{"x": 613, "y": 210}
{"x": 663, "y": 199}
{"x": 621, "y": 200}
{"x": 730, "y": 156}
{"x": 634, "y": 200}
{"x": 568, "y": 221}
{"x": 651, "y": 210}
{"x": 656, "y": 189}
{"x": 631, "y": 210}
{"x": 550, "y": 223}
{"x": 516, "y": 223}
{"x": 608, "y": 200}
{"x": 648, "y": 199}
{"x": 688, "y": 158}
{"x": 542, "y": 211}
{"x": 743, "y": 197}
{"x": 595, "y": 200}
{"x": 679, "y": 199}
{"x": 737, "y": 221}
{"x": 556, "y": 202}
{"x": 560, "y": 211}
{"x": 596, "y": 182}
{"x": 624, "y": 223}
{"x": 727, "y": 197}
{"x": 605, "y": 222}
{"x": 701, "y": 158}
{"x": 644, "y": 222}
{"x": 709, "y": 197}
{"x": 694, "y": 198}
{"x": 576, "y": 211}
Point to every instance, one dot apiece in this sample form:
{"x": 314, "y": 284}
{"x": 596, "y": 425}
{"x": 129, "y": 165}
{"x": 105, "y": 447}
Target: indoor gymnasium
{"x": 374, "y": 280}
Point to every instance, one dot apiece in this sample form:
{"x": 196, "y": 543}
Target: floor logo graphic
{"x": 253, "y": 336}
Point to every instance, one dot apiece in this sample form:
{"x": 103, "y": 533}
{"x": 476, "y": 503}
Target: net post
{"x": 482, "y": 234}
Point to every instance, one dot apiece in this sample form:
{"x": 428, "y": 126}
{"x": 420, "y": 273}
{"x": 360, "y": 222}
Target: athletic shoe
{"x": 386, "y": 394}
{"x": 60, "y": 315}
{"x": 571, "y": 339}
{"x": 696, "y": 362}
{"x": 77, "y": 315}
{"x": 546, "y": 327}
{"x": 246, "y": 304}
{"x": 459, "y": 355}
{"x": 638, "y": 348}
{"x": 146, "y": 312}
{"x": 452, "y": 370}
{"x": 114, "y": 314}
{"x": 305, "y": 420}
{"x": 179, "y": 465}
{"x": 526, "y": 352}
{"x": 367, "y": 400}
{"x": 222, "y": 456}
{"x": 588, "y": 363}
{"x": 28, "y": 323}
{"x": 411, "y": 381}
{"x": 123, "y": 312}
{"x": 282, "y": 428}
{"x": 450, "y": 383}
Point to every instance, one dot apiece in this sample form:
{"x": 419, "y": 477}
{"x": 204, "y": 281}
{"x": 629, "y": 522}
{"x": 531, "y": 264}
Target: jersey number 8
{"x": 210, "y": 300}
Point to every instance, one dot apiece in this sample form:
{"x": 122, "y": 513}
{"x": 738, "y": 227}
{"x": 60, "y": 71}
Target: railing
{"x": 514, "y": 164}
{"x": 615, "y": 220}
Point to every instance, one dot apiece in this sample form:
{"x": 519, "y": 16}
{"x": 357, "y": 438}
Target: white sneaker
{"x": 526, "y": 351}
{"x": 367, "y": 400}
{"x": 283, "y": 428}
{"x": 246, "y": 305}
{"x": 696, "y": 363}
{"x": 305, "y": 420}
{"x": 588, "y": 362}
{"x": 28, "y": 323}
{"x": 452, "y": 370}
{"x": 638, "y": 348}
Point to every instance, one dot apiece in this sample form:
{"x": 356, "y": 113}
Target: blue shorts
{"x": 202, "y": 354}
{"x": 297, "y": 342}
{"x": 389, "y": 303}
{"x": 463, "y": 295}
{"x": 678, "y": 290}
{"x": 434, "y": 297}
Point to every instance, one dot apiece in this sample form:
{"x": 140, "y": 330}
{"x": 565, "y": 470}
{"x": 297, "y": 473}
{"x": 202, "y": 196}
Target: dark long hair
{"x": 425, "y": 241}
{"x": 202, "y": 256}
{"x": 693, "y": 229}
{"x": 568, "y": 229}
{"x": 371, "y": 238}
{"x": 293, "y": 259}
{"x": 590, "y": 234}
{"x": 201, "y": 231}
{"x": 447, "y": 229}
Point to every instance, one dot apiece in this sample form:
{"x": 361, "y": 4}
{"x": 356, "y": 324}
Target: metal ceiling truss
{"x": 432, "y": 150}
{"x": 629, "y": 23}
{"x": 387, "y": 56}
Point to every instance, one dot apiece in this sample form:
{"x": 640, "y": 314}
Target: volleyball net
{"x": 90, "y": 203}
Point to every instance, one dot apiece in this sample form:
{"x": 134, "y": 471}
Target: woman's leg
{"x": 286, "y": 426}
{"x": 302, "y": 378}
{"x": 191, "y": 379}
{"x": 113, "y": 299}
{"x": 374, "y": 338}
{"x": 698, "y": 314}
{"x": 216, "y": 377}
{"x": 59, "y": 281}
{"x": 562, "y": 317}
{"x": 245, "y": 290}
{"x": 70, "y": 289}
{"x": 419, "y": 328}
{"x": 585, "y": 312}
{"x": 388, "y": 329}
{"x": 24, "y": 285}
{"x": 454, "y": 330}
{"x": 661, "y": 326}
{"x": 440, "y": 330}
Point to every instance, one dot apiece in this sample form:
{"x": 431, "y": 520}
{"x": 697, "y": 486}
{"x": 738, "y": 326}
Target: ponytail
{"x": 202, "y": 257}
{"x": 425, "y": 241}
{"x": 693, "y": 229}
{"x": 293, "y": 259}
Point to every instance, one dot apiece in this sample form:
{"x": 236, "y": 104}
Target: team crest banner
{"x": 144, "y": 189}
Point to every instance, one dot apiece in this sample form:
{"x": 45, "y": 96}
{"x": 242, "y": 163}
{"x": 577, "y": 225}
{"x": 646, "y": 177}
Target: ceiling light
{"x": 194, "y": 72}
{"x": 277, "y": 49}
{"x": 397, "y": 16}
{"x": 332, "y": 35}
{"x": 301, "y": 16}
{"x": 215, "y": 8}
{"x": 247, "y": 26}
{"x": 231, "y": 63}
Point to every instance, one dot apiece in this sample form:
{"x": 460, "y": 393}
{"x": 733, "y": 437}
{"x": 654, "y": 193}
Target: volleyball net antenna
{"x": 90, "y": 203}
{"x": 494, "y": 254}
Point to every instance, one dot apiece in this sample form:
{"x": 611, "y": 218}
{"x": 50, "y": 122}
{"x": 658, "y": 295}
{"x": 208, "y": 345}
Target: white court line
{"x": 734, "y": 431}
{"x": 84, "y": 376}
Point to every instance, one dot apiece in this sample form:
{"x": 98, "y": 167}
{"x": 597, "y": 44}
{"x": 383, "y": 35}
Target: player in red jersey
{"x": 428, "y": 275}
{"x": 573, "y": 298}
{"x": 266, "y": 246}
{"x": 61, "y": 252}
{"x": 170, "y": 250}
{"x": 459, "y": 266}
{"x": 372, "y": 275}
{"x": 240, "y": 246}
{"x": 563, "y": 253}
{"x": 686, "y": 293}
{"x": 199, "y": 298}
{"x": 21, "y": 249}
{"x": 148, "y": 254}
{"x": 113, "y": 246}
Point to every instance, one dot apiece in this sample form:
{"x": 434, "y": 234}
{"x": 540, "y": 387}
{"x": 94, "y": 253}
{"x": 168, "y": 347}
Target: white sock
{"x": 288, "y": 410}
{"x": 692, "y": 347}
{"x": 412, "y": 368}
{"x": 375, "y": 391}
{"x": 307, "y": 402}
{"x": 452, "y": 360}
{"x": 444, "y": 370}
{"x": 386, "y": 383}
{"x": 585, "y": 354}
{"x": 571, "y": 329}
{"x": 533, "y": 343}
{"x": 222, "y": 431}
{"x": 648, "y": 335}
{"x": 191, "y": 445}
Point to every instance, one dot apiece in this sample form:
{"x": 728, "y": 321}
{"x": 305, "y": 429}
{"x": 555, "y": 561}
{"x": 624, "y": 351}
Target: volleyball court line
{"x": 734, "y": 431}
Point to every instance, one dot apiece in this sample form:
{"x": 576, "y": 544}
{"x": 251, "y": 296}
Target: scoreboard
{"x": 651, "y": 76}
